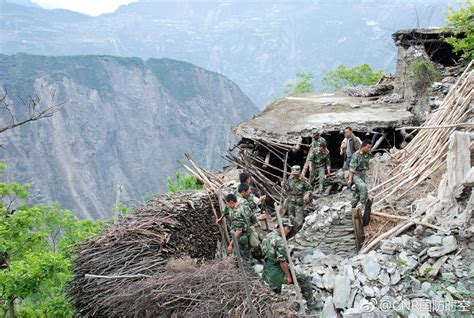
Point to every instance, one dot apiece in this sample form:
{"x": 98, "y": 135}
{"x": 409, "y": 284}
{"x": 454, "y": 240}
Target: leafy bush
{"x": 36, "y": 245}
{"x": 362, "y": 75}
{"x": 462, "y": 23}
{"x": 302, "y": 85}
{"x": 424, "y": 74}
{"x": 188, "y": 182}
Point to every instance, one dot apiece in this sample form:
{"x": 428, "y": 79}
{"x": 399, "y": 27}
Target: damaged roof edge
{"x": 290, "y": 118}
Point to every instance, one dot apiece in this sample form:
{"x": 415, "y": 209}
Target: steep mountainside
{"x": 258, "y": 44}
{"x": 125, "y": 121}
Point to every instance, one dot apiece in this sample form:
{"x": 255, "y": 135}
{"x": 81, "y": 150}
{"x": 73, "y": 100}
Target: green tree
{"x": 188, "y": 182}
{"x": 36, "y": 245}
{"x": 423, "y": 74}
{"x": 302, "y": 85}
{"x": 362, "y": 75}
{"x": 461, "y": 21}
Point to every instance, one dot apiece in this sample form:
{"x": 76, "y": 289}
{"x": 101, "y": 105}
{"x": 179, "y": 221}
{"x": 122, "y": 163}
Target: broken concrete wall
{"x": 421, "y": 45}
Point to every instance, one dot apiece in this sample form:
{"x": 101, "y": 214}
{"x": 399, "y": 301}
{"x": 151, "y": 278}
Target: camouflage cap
{"x": 295, "y": 169}
{"x": 316, "y": 133}
{"x": 285, "y": 222}
{"x": 323, "y": 143}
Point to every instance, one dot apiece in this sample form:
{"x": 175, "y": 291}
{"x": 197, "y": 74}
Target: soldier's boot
{"x": 367, "y": 211}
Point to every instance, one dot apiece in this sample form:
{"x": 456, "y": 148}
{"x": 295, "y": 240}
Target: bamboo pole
{"x": 437, "y": 127}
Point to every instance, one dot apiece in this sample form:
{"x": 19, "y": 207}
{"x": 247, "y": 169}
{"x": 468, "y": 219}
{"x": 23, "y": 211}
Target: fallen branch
{"x": 399, "y": 217}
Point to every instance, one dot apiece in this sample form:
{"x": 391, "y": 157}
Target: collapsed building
{"x": 418, "y": 246}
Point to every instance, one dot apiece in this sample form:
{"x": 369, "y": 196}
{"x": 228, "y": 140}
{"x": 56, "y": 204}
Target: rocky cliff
{"x": 124, "y": 121}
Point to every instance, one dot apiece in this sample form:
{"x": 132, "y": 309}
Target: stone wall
{"x": 329, "y": 229}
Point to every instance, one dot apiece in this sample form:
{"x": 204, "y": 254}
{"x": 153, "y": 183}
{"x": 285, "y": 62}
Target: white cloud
{"x": 90, "y": 7}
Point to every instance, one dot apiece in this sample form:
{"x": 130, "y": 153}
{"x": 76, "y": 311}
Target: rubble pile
{"x": 403, "y": 271}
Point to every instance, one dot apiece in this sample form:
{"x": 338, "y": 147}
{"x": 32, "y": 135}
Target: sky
{"x": 89, "y": 7}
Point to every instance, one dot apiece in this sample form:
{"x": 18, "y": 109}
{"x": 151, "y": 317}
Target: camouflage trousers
{"x": 361, "y": 193}
{"x": 321, "y": 173}
{"x": 274, "y": 277}
{"x": 245, "y": 248}
{"x": 295, "y": 211}
{"x": 306, "y": 287}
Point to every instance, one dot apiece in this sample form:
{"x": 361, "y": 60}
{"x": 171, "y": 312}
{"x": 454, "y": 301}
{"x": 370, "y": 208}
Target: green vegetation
{"x": 302, "y": 85}
{"x": 362, "y": 75}
{"x": 424, "y": 74}
{"x": 36, "y": 254}
{"x": 461, "y": 21}
{"x": 188, "y": 182}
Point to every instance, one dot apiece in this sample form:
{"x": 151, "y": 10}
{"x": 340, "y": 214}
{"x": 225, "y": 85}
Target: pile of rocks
{"x": 405, "y": 276}
{"x": 329, "y": 228}
{"x": 439, "y": 90}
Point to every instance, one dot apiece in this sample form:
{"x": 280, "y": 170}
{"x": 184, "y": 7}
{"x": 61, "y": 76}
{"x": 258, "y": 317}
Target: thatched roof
{"x": 127, "y": 271}
{"x": 289, "y": 118}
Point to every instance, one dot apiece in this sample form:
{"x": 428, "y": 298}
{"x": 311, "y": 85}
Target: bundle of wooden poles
{"x": 426, "y": 153}
{"x": 424, "y": 157}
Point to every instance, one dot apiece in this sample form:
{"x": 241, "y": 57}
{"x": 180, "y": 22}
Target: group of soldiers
{"x": 243, "y": 208}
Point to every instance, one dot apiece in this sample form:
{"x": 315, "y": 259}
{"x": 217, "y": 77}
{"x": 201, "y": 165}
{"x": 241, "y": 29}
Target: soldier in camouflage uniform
{"x": 253, "y": 200}
{"x": 358, "y": 167}
{"x": 320, "y": 162}
{"x": 299, "y": 191}
{"x": 242, "y": 220}
{"x": 276, "y": 271}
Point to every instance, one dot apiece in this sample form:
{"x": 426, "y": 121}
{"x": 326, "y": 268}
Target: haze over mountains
{"x": 126, "y": 121}
{"x": 258, "y": 44}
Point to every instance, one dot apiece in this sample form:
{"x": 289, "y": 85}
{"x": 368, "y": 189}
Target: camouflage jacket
{"x": 228, "y": 211}
{"x": 359, "y": 163}
{"x": 296, "y": 189}
{"x": 242, "y": 218}
{"x": 273, "y": 247}
{"x": 316, "y": 142}
{"x": 252, "y": 202}
{"x": 320, "y": 159}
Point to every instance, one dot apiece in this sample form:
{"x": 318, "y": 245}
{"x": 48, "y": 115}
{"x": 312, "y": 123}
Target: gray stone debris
{"x": 328, "y": 308}
{"x": 371, "y": 269}
{"x": 395, "y": 277}
{"x": 449, "y": 245}
{"x": 368, "y": 291}
{"x": 342, "y": 291}
{"x": 396, "y": 272}
{"x": 388, "y": 247}
{"x": 433, "y": 240}
{"x": 328, "y": 279}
